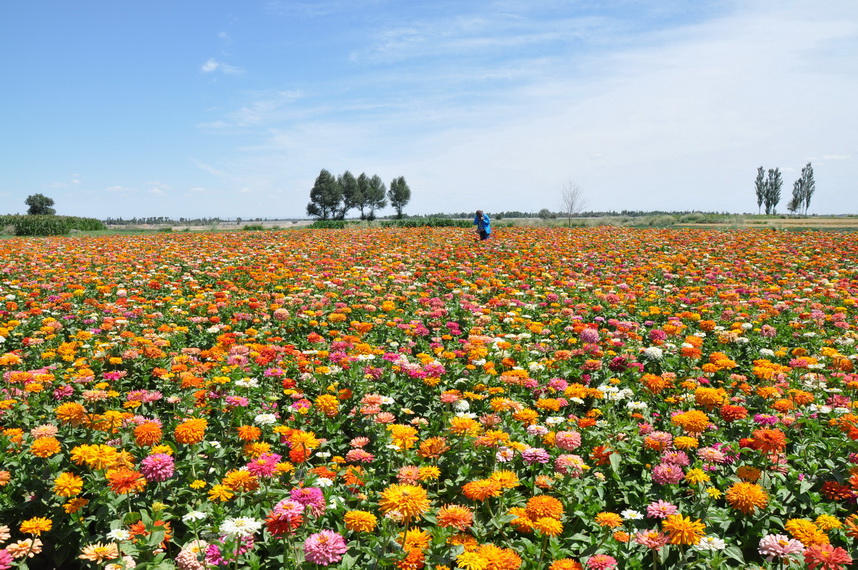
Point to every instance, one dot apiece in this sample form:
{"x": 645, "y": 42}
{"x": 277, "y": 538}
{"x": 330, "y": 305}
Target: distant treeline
{"x": 545, "y": 213}
{"x": 162, "y": 220}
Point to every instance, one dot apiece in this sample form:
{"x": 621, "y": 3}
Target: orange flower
{"x": 99, "y": 552}
{"x": 45, "y": 447}
{"x": 609, "y": 520}
{"x": 548, "y": 526}
{"x": 432, "y": 448}
{"x": 328, "y": 404}
{"x": 769, "y": 440}
{"x": 124, "y": 480}
{"x": 147, "y": 433}
{"x": 481, "y": 489}
{"x": 249, "y": 433}
{"x": 565, "y": 564}
{"x": 692, "y": 421}
{"x": 71, "y": 412}
{"x": 240, "y": 481}
{"x": 455, "y": 516}
{"x": 746, "y": 497}
{"x": 191, "y": 431}
{"x": 806, "y": 532}
{"x": 683, "y": 530}
{"x": 543, "y": 506}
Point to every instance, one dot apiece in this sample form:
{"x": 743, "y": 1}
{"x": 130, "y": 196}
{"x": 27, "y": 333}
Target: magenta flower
{"x": 310, "y": 497}
{"x": 265, "y": 465}
{"x": 325, "y": 547}
{"x": 601, "y": 562}
{"x": 157, "y": 467}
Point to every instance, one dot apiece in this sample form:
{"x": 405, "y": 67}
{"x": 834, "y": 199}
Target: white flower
{"x": 461, "y": 406}
{"x": 632, "y": 515}
{"x": 240, "y": 526}
{"x": 119, "y": 534}
{"x": 264, "y": 419}
{"x": 194, "y": 516}
{"x": 636, "y": 405}
{"x": 710, "y": 543}
{"x": 324, "y": 482}
{"x": 554, "y": 420}
{"x": 247, "y": 383}
{"x": 767, "y": 352}
{"x": 653, "y": 353}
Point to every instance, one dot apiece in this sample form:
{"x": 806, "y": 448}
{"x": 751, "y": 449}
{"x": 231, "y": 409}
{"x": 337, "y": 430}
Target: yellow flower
{"x": 746, "y": 497}
{"x": 67, "y": 485}
{"x": 360, "y": 521}
{"x": 696, "y": 476}
{"x": 36, "y": 526}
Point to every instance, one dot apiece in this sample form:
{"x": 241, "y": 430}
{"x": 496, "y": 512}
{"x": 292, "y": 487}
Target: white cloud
{"x": 213, "y": 65}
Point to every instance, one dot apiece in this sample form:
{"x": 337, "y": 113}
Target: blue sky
{"x": 231, "y": 108}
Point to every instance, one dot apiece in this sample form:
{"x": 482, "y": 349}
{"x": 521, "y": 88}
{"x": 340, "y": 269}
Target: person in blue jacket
{"x": 483, "y": 224}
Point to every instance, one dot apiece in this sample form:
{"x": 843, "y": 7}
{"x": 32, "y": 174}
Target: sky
{"x": 216, "y": 108}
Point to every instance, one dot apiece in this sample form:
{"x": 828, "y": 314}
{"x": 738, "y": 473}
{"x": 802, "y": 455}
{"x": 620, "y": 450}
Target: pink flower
{"x": 325, "y": 547}
{"x": 601, "y": 562}
{"x": 661, "y": 509}
{"x": 535, "y": 455}
{"x": 568, "y": 440}
{"x": 779, "y": 546}
{"x": 651, "y": 538}
{"x": 569, "y": 464}
{"x": 157, "y": 467}
{"x": 826, "y": 557}
{"x": 667, "y": 473}
{"x": 310, "y": 497}
{"x": 5, "y": 560}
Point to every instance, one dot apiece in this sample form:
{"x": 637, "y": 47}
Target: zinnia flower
{"x": 36, "y": 526}
{"x": 826, "y": 557}
{"x": 455, "y": 516}
{"x": 67, "y": 485}
{"x": 779, "y": 546}
{"x": 191, "y": 431}
{"x": 324, "y": 548}
{"x": 683, "y": 530}
{"x": 409, "y": 501}
{"x": 124, "y": 480}
{"x": 99, "y": 552}
{"x": 157, "y": 467}
{"x": 601, "y": 562}
{"x": 746, "y": 497}
{"x": 360, "y": 521}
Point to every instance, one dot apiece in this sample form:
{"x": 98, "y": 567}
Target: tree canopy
{"x": 40, "y": 205}
{"x": 399, "y": 194}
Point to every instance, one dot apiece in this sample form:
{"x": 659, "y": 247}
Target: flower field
{"x": 409, "y": 398}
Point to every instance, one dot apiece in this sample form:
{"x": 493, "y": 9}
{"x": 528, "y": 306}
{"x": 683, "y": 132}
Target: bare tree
{"x": 573, "y": 201}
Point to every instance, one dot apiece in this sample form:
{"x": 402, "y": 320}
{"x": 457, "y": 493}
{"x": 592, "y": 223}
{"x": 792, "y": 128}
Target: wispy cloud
{"x": 213, "y": 65}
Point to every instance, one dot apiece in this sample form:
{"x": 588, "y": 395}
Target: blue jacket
{"x": 483, "y": 224}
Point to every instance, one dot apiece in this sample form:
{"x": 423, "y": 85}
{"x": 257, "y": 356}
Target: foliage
{"x": 426, "y": 223}
{"x": 253, "y": 228}
{"x": 760, "y": 187}
{"x": 48, "y": 225}
{"x": 351, "y": 193}
{"x": 399, "y": 194}
{"x": 802, "y": 191}
{"x": 328, "y": 224}
{"x": 372, "y": 196}
{"x": 772, "y": 194}
{"x": 40, "y": 205}
{"x": 325, "y": 197}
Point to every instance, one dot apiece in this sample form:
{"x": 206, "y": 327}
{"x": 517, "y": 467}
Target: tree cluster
{"x": 331, "y": 198}
{"x": 768, "y": 190}
{"x": 802, "y": 191}
{"x": 39, "y": 205}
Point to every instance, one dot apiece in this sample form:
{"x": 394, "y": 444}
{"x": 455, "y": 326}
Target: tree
{"x": 760, "y": 187}
{"x": 809, "y": 185}
{"x": 774, "y": 183}
{"x": 351, "y": 194}
{"x": 373, "y": 194}
{"x": 573, "y": 201}
{"x": 399, "y": 194}
{"x": 40, "y": 205}
{"x": 797, "y": 197}
{"x": 325, "y": 196}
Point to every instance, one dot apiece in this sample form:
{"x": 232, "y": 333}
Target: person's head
{"x": 479, "y": 212}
